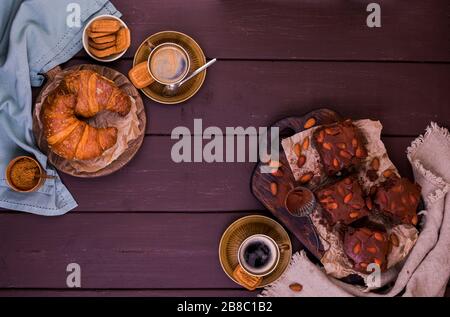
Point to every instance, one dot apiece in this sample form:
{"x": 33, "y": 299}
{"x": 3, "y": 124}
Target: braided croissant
{"x": 82, "y": 93}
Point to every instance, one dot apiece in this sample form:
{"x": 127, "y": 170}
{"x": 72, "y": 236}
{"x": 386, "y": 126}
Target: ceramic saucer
{"x": 190, "y": 88}
{"x": 241, "y": 229}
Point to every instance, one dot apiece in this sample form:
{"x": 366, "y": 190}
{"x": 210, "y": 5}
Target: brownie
{"x": 398, "y": 198}
{"x": 364, "y": 246}
{"x": 340, "y": 146}
{"x": 343, "y": 201}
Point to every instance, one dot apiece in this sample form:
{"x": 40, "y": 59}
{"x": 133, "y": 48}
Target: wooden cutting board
{"x": 301, "y": 227}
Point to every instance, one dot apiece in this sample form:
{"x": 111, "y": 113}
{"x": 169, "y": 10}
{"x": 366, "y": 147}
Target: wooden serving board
{"x": 301, "y": 227}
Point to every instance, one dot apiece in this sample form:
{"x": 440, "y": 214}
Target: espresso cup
{"x": 168, "y": 63}
{"x": 259, "y": 254}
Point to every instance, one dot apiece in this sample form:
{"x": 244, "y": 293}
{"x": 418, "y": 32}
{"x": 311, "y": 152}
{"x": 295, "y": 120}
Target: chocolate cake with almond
{"x": 398, "y": 198}
{"x": 364, "y": 246}
{"x": 340, "y": 146}
{"x": 343, "y": 201}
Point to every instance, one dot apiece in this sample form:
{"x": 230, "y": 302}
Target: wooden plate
{"x": 241, "y": 229}
{"x": 53, "y": 78}
{"x": 301, "y": 227}
{"x": 190, "y": 88}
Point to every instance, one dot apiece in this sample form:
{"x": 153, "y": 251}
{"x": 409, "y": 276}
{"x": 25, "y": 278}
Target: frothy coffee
{"x": 168, "y": 64}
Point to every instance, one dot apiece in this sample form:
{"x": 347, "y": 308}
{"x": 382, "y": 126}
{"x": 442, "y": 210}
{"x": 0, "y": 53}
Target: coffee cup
{"x": 168, "y": 63}
{"x": 259, "y": 254}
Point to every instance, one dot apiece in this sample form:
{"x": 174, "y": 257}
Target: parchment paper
{"x": 131, "y": 128}
{"x": 335, "y": 261}
{"x": 127, "y": 131}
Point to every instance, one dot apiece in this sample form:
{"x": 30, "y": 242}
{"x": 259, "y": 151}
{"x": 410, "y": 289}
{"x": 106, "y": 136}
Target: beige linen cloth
{"x": 426, "y": 270}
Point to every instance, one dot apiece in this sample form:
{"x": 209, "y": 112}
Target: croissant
{"x": 82, "y": 93}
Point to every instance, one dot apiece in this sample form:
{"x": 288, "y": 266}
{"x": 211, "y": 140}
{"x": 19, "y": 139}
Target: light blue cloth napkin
{"x": 35, "y": 36}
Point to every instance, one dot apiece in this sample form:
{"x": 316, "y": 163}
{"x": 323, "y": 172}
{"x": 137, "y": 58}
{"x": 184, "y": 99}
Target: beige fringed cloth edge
{"x": 426, "y": 270}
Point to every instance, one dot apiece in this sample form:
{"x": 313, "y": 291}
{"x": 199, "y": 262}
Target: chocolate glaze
{"x": 364, "y": 246}
{"x": 340, "y": 146}
{"x": 343, "y": 201}
{"x": 398, "y": 198}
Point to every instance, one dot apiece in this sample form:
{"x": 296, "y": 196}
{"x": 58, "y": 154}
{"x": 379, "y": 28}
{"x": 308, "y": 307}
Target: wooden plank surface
{"x": 292, "y": 30}
{"x": 128, "y": 293}
{"x": 153, "y": 182}
{"x": 116, "y": 251}
{"x": 404, "y": 97}
{"x": 152, "y": 229}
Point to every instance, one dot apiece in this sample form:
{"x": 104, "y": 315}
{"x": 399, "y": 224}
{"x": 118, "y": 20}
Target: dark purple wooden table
{"x": 153, "y": 228}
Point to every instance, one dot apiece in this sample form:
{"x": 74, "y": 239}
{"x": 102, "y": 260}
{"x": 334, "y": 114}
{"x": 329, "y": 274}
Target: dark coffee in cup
{"x": 258, "y": 255}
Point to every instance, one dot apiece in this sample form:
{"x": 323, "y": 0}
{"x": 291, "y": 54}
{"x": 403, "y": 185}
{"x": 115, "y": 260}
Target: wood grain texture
{"x": 404, "y": 97}
{"x": 152, "y": 183}
{"x": 293, "y": 30}
{"x": 116, "y": 251}
{"x": 119, "y": 254}
{"x": 277, "y": 58}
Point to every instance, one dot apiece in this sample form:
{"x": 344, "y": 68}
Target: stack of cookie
{"x": 107, "y": 37}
